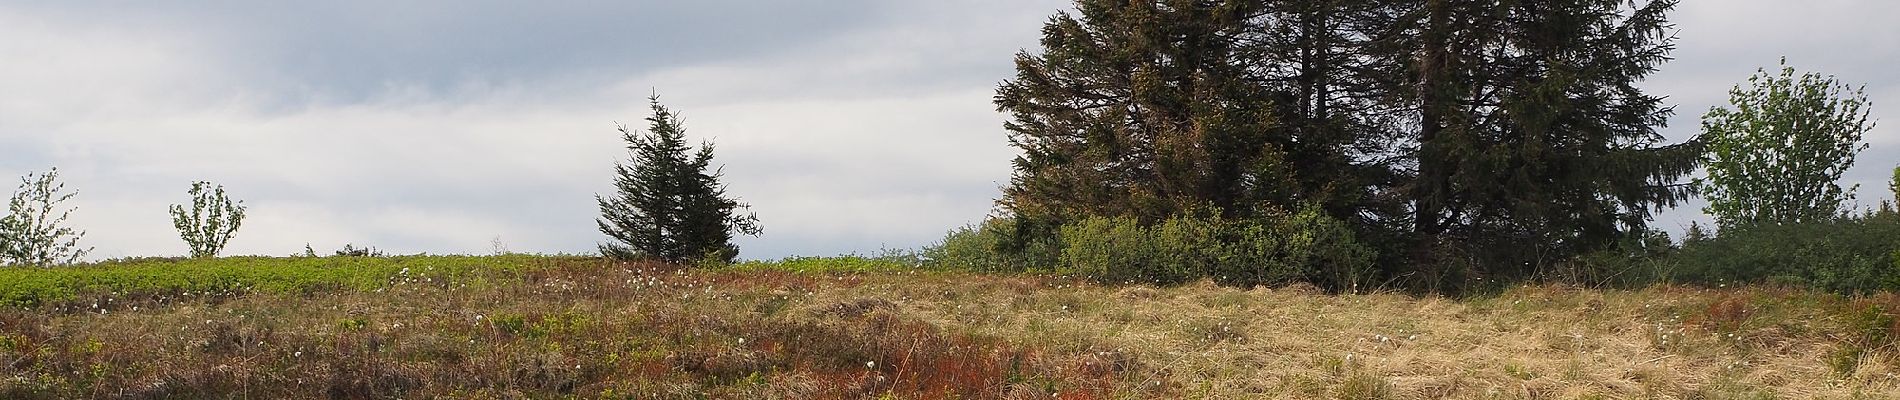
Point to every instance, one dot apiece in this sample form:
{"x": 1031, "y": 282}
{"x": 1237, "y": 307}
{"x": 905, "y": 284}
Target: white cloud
{"x": 844, "y": 146}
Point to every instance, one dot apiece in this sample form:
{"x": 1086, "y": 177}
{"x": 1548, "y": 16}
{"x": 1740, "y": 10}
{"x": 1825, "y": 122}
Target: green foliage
{"x": 1118, "y": 249}
{"x": 350, "y": 250}
{"x": 1538, "y": 145}
{"x": 178, "y": 278}
{"x": 1847, "y": 255}
{"x": 670, "y": 205}
{"x": 1893, "y": 186}
{"x": 1141, "y": 109}
{"x": 1776, "y": 156}
{"x": 993, "y": 246}
{"x": 213, "y": 219}
{"x": 33, "y": 232}
{"x": 837, "y": 264}
{"x": 1490, "y": 160}
{"x": 1636, "y": 261}
{"x": 1304, "y": 247}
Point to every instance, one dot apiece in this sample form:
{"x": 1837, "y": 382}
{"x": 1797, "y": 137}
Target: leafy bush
{"x": 1118, "y": 249}
{"x": 1304, "y": 247}
{"x": 993, "y": 246}
{"x": 33, "y": 232}
{"x": 1635, "y": 261}
{"x": 350, "y": 250}
{"x": 211, "y": 221}
{"x": 1854, "y": 254}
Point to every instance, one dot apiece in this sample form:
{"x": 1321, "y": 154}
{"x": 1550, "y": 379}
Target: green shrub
{"x": 1304, "y": 247}
{"x": 1856, "y": 254}
{"x": 993, "y": 246}
{"x": 1638, "y": 260}
{"x": 1339, "y": 260}
{"x": 1117, "y": 249}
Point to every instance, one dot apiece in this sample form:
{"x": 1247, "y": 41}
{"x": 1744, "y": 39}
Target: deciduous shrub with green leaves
{"x": 1306, "y": 246}
{"x": 212, "y": 220}
{"x": 1119, "y": 249}
{"x": 1855, "y": 254}
{"x": 33, "y": 231}
{"x": 990, "y": 246}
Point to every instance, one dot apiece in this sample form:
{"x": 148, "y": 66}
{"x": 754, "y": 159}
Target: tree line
{"x": 1461, "y": 141}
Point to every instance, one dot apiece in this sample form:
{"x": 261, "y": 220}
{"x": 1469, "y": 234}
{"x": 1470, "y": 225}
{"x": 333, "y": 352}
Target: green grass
{"x": 881, "y": 327}
{"x": 167, "y": 278}
{"x": 839, "y": 264}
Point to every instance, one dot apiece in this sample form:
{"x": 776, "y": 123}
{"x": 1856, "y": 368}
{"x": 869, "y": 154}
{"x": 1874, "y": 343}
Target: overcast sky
{"x": 439, "y": 127}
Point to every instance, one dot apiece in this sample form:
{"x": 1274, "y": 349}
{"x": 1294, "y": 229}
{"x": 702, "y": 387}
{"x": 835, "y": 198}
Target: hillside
{"x": 517, "y": 326}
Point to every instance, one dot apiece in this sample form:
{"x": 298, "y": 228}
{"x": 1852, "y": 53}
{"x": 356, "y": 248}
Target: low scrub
{"x": 1847, "y": 255}
{"x": 1306, "y": 246}
{"x": 166, "y": 279}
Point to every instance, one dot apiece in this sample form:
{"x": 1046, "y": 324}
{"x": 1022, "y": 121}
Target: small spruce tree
{"x": 669, "y": 204}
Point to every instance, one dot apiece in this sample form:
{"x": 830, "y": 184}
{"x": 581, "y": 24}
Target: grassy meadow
{"x": 573, "y": 327}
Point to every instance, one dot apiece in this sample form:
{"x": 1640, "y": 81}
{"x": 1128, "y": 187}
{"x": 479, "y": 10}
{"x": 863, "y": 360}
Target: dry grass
{"x": 595, "y": 330}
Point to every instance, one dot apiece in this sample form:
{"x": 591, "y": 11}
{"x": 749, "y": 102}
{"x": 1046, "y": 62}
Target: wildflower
{"x": 870, "y": 364}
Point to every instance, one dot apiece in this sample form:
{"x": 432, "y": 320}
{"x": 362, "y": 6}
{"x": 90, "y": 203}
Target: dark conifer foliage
{"x": 669, "y": 203}
{"x": 1469, "y": 138}
{"x": 1533, "y": 141}
{"x": 1138, "y": 109}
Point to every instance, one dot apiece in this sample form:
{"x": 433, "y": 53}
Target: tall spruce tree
{"x": 670, "y": 205}
{"x": 1142, "y": 109}
{"x": 1503, "y": 135}
{"x": 1532, "y": 141}
{"x": 1316, "y": 58}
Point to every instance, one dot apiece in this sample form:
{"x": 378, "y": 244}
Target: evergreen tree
{"x": 1776, "y": 156}
{"x": 1505, "y": 135}
{"x": 1314, "y": 57}
{"x": 670, "y": 205}
{"x": 1532, "y": 141}
{"x": 1142, "y": 109}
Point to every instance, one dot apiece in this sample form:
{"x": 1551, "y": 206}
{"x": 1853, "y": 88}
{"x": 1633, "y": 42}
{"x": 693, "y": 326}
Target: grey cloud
{"x": 847, "y": 130}
{"x": 349, "y": 51}
{"x": 1723, "y": 42}
{"x": 437, "y": 126}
